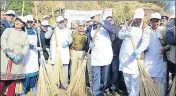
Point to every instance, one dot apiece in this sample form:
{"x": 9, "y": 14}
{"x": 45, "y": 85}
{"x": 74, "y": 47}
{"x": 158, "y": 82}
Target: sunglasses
{"x": 61, "y": 22}
{"x": 30, "y": 22}
{"x": 11, "y": 15}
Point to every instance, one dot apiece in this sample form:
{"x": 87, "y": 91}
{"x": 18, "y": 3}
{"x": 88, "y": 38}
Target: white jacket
{"x": 101, "y": 54}
{"x": 62, "y": 36}
{"x": 31, "y": 58}
{"x": 128, "y": 62}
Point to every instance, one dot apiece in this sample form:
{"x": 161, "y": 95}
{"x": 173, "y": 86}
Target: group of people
{"x": 114, "y": 49}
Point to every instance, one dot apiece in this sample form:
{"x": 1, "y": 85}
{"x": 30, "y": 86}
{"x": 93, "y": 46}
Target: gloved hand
{"x": 92, "y": 45}
{"x": 38, "y": 48}
{"x": 11, "y": 55}
{"x": 136, "y": 54}
{"x": 17, "y": 59}
{"x": 127, "y": 35}
{"x": 65, "y": 44}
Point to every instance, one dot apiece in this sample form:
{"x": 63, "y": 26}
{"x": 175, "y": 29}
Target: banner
{"x": 84, "y": 15}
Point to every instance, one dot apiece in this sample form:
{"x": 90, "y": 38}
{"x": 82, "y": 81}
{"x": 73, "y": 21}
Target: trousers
{"x": 10, "y": 87}
{"x": 132, "y": 84}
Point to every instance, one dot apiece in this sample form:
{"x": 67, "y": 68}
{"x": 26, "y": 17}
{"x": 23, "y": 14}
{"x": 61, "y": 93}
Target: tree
{"x": 17, "y": 6}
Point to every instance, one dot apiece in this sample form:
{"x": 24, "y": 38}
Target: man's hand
{"x": 11, "y": 55}
{"x": 92, "y": 45}
{"x": 161, "y": 51}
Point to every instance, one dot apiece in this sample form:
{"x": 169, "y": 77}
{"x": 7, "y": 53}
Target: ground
{"x": 30, "y": 94}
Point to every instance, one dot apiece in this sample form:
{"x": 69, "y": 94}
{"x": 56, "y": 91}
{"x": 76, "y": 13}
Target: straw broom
{"x": 77, "y": 86}
{"x": 173, "y": 88}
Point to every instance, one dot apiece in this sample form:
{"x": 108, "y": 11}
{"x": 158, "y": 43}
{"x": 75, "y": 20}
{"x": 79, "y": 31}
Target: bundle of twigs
{"x": 77, "y": 85}
{"x": 45, "y": 86}
{"x": 173, "y": 88}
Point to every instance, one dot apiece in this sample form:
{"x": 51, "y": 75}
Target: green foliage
{"x": 17, "y": 6}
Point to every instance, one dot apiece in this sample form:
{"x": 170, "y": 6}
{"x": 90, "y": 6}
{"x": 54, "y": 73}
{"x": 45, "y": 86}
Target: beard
{"x": 136, "y": 23}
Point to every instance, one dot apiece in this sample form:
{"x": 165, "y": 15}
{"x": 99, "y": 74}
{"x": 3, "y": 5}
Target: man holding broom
{"x": 101, "y": 54}
{"x": 77, "y": 48}
{"x": 60, "y": 41}
{"x": 130, "y": 50}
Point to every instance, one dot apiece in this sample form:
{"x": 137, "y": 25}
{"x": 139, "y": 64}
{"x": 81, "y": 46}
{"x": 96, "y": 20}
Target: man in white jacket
{"x": 101, "y": 54}
{"x": 128, "y": 54}
{"x": 64, "y": 39}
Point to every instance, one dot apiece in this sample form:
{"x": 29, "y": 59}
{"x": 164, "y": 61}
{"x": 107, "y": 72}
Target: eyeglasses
{"x": 46, "y": 26}
{"x": 29, "y": 21}
{"x": 61, "y": 22}
{"x": 11, "y": 15}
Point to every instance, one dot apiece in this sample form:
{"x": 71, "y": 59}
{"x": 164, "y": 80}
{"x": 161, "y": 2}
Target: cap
{"x": 59, "y": 18}
{"x": 164, "y": 17}
{"x": 46, "y": 16}
{"x": 45, "y": 23}
{"x": 155, "y": 15}
{"x": 81, "y": 24}
{"x": 29, "y": 18}
{"x": 10, "y": 12}
{"x": 94, "y": 14}
{"x": 139, "y": 13}
{"x": 21, "y": 18}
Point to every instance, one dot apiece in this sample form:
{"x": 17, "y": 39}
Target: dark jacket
{"x": 5, "y": 24}
{"x": 116, "y": 42}
{"x": 170, "y": 31}
{"x": 45, "y": 43}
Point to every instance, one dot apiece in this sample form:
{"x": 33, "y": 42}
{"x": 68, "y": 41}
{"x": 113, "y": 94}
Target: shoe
{"x": 34, "y": 90}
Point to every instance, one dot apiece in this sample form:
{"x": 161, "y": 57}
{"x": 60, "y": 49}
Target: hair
{"x": 109, "y": 17}
{"x": 23, "y": 28}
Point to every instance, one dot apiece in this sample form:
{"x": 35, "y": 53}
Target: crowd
{"x": 112, "y": 63}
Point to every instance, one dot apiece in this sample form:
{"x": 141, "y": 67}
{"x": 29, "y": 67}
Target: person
{"x": 31, "y": 58}
{"x": 3, "y": 15}
{"x": 78, "y": 48}
{"x": 114, "y": 67}
{"x": 171, "y": 40}
{"x": 74, "y": 26}
{"x": 128, "y": 53}
{"x": 8, "y": 23}
{"x": 101, "y": 53}
{"x": 44, "y": 39}
{"x": 14, "y": 46}
{"x": 60, "y": 40}
{"x": 164, "y": 20}
{"x": 154, "y": 60}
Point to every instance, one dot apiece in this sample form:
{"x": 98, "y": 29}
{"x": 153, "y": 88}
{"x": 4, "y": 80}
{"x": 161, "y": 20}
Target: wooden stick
{"x": 23, "y": 8}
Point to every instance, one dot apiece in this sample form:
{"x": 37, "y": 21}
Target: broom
{"x": 173, "y": 88}
{"x": 147, "y": 86}
{"x": 45, "y": 86}
{"x": 77, "y": 86}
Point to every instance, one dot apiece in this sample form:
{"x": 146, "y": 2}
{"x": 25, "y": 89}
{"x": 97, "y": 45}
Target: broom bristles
{"x": 147, "y": 86}
{"x": 173, "y": 88}
{"x": 45, "y": 85}
{"x": 77, "y": 86}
